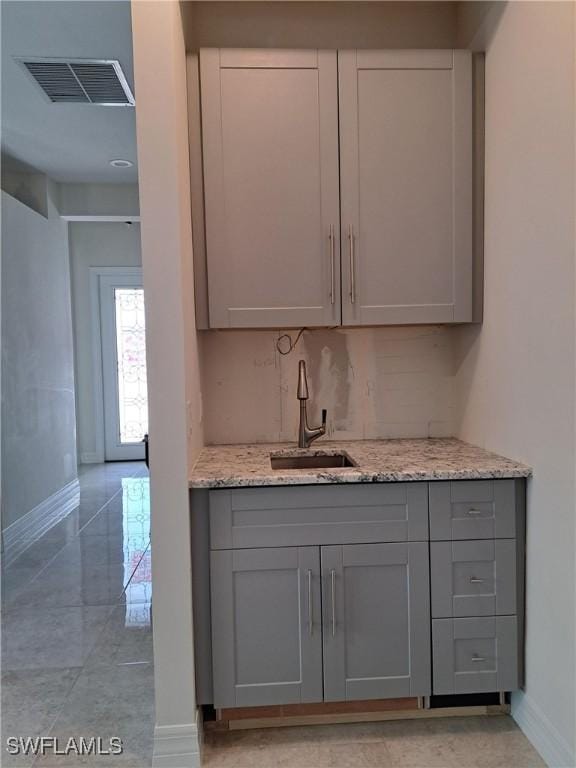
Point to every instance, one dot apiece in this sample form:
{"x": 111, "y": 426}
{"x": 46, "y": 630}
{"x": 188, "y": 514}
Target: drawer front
{"x": 472, "y": 509}
{"x": 475, "y": 655}
{"x": 305, "y": 515}
{"x": 473, "y": 578}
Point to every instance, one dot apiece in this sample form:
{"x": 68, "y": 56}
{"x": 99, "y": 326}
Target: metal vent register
{"x": 81, "y": 81}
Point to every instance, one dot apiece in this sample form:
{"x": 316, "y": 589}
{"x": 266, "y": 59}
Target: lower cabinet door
{"x": 266, "y": 626}
{"x": 376, "y": 621}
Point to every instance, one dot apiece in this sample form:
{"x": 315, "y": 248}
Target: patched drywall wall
{"x": 38, "y": 417}
{"x": 374, "y": 382}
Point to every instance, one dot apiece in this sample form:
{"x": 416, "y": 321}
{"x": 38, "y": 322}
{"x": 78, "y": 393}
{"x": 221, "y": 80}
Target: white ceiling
{"x": 69, "y": 142}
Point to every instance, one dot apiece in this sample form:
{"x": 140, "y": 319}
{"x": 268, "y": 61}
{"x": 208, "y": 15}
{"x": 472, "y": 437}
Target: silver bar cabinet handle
{"x": 478, "y": 658}
{"x": 310, "y": 606}
{"x": 474, "y": 580}
{"x": 333, "y": 586}
{"x": 352, "y": 284}
{"x": 474, "y": 512}
{"x": 332, "y": 290}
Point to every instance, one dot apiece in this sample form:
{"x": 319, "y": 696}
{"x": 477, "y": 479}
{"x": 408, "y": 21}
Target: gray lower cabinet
{"x": 344, "y": 593}
{"x": 376, "y": 621}
{"x": 266, "y": 626}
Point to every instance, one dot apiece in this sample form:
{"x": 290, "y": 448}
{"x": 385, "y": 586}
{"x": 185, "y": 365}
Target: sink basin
{"x": 318, "y": 461}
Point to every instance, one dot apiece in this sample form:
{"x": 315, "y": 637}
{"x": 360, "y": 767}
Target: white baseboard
{"x": 35, "y": 523}
{"x": 176, "y": 746}
{"x": 552, "y": 746}
{"x": 91, "y": 458}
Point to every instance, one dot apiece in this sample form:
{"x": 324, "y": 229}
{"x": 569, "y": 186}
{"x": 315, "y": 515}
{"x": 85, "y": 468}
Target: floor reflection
{"x": 135, "y": 522}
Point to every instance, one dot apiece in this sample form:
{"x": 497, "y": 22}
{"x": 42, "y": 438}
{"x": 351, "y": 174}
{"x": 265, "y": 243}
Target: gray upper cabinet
{"x": 338, "y": 187}
{"x": 270, "y": 153}
{"x": 376, "y": 621}
{"x": 266, "y": 626}
{"x": 406, "y": 186}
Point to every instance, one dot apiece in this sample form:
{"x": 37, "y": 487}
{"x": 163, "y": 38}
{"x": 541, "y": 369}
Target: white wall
{"x": 375, "y": 383}
{"x": 38, "y": 418}
{"x": 94, "y": 244}
{"x": 174, "y": 386}
{"x": 516, "y": 374}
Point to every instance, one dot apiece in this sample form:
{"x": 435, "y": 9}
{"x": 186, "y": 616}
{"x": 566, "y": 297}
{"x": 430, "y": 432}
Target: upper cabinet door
{"x": 270, "y": 147}
{"x": 406, "y": 186}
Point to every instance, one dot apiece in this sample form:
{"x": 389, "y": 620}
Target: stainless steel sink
{"x": 318, "y": 461}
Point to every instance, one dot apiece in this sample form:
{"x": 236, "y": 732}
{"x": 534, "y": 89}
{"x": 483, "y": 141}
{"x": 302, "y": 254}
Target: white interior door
{"x": 123, "y": 334}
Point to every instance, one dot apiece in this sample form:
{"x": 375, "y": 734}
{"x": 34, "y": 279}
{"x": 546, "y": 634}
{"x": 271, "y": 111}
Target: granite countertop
{"x": 377, "y": 461}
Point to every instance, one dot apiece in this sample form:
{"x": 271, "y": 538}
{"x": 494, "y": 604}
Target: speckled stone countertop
{"x": 377, "y": 461}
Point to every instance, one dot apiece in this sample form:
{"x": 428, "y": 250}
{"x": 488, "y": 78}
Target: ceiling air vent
{"x": 81, "y": 81}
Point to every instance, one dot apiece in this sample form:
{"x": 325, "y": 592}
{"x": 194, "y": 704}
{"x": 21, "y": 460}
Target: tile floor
{"x": 76, "y": 625}
{"x": 458, "y": 742}
{"x": 77, "y": 659}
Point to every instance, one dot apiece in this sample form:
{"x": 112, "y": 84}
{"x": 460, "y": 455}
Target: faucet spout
{"x": 302, "y": 381}
{"x": 307, "y": 434}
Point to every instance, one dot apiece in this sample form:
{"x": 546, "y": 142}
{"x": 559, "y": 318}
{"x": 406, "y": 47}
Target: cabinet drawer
{"x": 473, "y": 578}
{"x": 305, "y": 515}
{"x": 474, "y": 655}
{"x": 476, "y": 509}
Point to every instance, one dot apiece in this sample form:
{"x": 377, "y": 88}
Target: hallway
{"x": 76, "y": 628}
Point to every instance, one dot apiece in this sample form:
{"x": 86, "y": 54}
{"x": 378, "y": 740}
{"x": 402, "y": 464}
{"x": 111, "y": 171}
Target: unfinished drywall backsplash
{"x": 375, "y": 383}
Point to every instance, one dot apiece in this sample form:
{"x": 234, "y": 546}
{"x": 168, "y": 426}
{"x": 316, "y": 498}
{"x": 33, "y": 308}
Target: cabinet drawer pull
{"x": 332, "y": 289}
{"x": 478, "y": 658}
{"x": 333, "y": 588}
{"x": 474, "y": 511}
{"x": 474, "y": 580}
{"x": 352, "y": 277}
{"x": 310, "y": 607}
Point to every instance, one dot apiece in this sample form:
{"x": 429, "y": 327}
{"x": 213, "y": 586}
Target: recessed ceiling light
{"x": 121, "y": 163}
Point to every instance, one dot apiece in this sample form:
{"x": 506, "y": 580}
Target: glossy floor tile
{"x": 31, "y": 701}
{"x": 77, "y": 625}
{"x": 50, "y": 638}
{"x": 112, "y": 701}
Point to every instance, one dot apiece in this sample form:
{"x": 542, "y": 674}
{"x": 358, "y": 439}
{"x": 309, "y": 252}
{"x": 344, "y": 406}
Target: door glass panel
{"x": 131, "y": 351}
